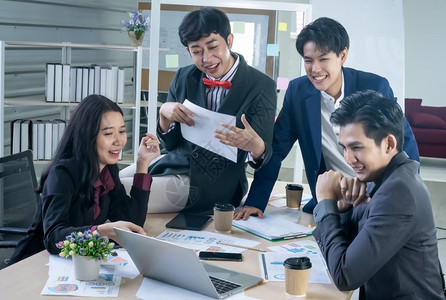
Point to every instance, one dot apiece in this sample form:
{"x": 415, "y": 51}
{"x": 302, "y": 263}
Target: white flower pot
{"x": 86, "y": 268}
{"x": 135, "y": 42}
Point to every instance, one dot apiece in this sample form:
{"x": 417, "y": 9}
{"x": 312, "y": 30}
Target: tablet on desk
{"x": 188, "y": 221}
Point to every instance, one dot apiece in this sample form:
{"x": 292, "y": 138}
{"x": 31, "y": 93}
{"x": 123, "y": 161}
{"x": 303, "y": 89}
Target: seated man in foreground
{"x": 386, "y": 244}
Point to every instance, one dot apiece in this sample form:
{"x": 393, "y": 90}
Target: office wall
{"x": 423, "y": 38}
{"x": 98, "y": 21}
{"x": 376, "y": 32}
{"x": 425, "y": 23}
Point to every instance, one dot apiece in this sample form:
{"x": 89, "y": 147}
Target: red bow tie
{"x": 213, "y": 83}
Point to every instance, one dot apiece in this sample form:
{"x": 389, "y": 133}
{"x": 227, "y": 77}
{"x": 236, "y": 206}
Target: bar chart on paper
{"x": 272, "y": 262}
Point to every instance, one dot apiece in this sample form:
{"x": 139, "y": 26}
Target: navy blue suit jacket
{"x": 300, "y": 119}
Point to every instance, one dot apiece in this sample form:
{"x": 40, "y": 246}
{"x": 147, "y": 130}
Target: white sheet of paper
{"x": 61, "y": 280}
{"x": 273, "y": 226}
{"x": 205, "y": 241}
{"x": 128, "y": 268}
{"x": 202, "y": 133}
{"x": 154, "y": 289}
{"x": 272, "y": 262}
{"x": 285, "y": 213}
{"x": 279, "y": 200}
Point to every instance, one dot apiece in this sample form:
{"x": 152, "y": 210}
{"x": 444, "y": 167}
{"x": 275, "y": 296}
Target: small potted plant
{"x": 87, "y": 249}
{"x": 136, "y": 27}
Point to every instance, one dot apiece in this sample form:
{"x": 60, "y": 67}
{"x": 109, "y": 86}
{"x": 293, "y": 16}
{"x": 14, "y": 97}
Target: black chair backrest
{"x": 18, "y": 181}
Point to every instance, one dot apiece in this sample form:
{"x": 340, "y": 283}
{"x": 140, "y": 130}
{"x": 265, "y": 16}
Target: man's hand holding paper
{"x": 174, "y": 112}
{"x": 245, "y": 139}
{"x": 203, "y": 131}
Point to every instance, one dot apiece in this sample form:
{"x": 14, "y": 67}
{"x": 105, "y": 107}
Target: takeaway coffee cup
{"x": 223, "y": 214}
{"x": 293, "y": 195}
{"x": 297, "y": 273}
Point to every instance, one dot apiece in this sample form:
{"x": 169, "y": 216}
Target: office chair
{"x": 18, "y": 201}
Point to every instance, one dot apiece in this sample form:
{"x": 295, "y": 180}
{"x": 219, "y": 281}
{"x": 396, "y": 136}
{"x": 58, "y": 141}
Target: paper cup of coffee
{"x": 297, "y": 273}
{"x": 223, "y": 214}
{"x": 293, "y": 195}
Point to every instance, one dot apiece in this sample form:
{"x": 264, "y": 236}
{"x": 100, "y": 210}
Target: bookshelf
{"x": 66, "y": 50}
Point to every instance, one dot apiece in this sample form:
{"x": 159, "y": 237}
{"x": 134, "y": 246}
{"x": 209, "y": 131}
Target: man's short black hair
{"x": 328, "y": 35}
{"x": 203, "y": 22}
{"x": 378, "y": 115}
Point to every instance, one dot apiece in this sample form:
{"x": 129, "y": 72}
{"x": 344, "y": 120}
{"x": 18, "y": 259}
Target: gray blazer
{"x": 214, "y": 178}
{"x": 390, "y": 245}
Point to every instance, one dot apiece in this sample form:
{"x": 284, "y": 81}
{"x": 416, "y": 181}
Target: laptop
{"x": 181, "y": 267}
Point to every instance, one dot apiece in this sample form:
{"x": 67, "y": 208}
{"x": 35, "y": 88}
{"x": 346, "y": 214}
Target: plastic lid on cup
{"x": 294, "y": 187}
{"x": 224, "y": 207}
{"x": 297, "y": 263}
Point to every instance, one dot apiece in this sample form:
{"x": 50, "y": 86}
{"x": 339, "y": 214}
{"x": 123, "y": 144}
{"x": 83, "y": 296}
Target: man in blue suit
{"x": 308, "y": 104}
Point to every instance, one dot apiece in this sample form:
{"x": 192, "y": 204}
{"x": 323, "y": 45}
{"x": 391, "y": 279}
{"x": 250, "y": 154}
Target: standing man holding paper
{"x": 189, "y": 177}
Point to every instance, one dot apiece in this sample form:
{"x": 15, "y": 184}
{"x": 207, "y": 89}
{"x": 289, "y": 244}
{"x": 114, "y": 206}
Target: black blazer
{"x": 61, "y": 211}
{"x": 214, "y": 178}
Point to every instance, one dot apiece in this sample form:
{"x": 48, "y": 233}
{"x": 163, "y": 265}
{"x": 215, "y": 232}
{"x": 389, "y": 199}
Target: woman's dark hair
{"x": 328, "y": 35}
{"x": 378, "y": 115}
{"x": 203, "y": 22}
{"x": 79, "y": 141}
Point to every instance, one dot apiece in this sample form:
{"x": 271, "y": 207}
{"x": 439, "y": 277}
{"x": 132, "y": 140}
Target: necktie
{"x": 213, "y": 83}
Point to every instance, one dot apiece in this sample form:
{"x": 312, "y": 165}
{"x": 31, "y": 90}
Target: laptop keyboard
{"x": 223, "y": 286}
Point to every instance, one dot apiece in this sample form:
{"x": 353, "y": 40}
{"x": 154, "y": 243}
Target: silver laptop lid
{"x": 178, "y": 265}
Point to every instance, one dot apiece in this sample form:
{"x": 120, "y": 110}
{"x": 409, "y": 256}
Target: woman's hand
{"x": 106, "y": 229}
{"x": 149, "y": 149}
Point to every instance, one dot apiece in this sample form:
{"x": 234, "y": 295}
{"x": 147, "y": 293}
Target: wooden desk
{"x": 25, "y": 279}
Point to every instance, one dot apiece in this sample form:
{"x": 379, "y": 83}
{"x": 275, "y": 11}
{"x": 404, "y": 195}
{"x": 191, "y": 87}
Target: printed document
{"x": 153, "y": 289}
{"x": 205, "y": 241}
{"x": 61, "y": 280}
{"x": 272, "y": 262}
{"x": 273, "y": 227}
{"x": 202, "y": 133}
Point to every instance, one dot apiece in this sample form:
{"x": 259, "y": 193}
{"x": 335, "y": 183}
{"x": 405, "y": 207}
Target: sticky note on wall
{"x": 272, "y": 50}
{"x": 238, "y": 27}
{"x": 171, "y": 60}
{"x": 283, "y": 26}
{"x": 282, "y": 83}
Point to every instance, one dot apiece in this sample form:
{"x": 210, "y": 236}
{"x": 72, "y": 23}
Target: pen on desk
{"x": 245, "y": 247}
{"x": 296, "y": 236}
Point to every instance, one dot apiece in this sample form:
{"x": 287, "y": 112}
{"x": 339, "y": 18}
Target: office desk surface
{"x": 25, "y": 279}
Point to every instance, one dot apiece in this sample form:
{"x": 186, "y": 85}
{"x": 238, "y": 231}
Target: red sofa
{"x": 428, "y": 124}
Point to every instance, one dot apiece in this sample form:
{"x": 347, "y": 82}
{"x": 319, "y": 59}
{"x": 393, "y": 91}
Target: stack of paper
{"x": 273, "y": 227}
